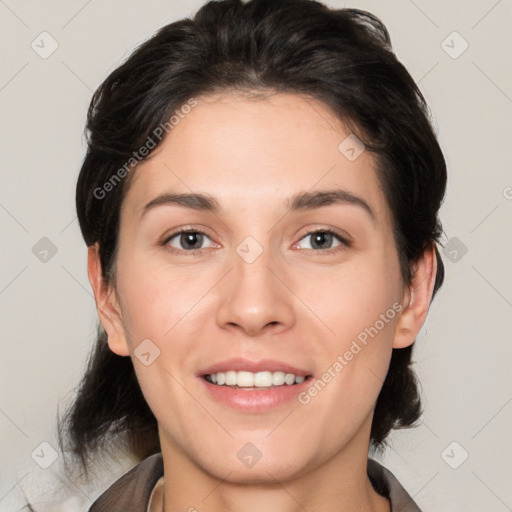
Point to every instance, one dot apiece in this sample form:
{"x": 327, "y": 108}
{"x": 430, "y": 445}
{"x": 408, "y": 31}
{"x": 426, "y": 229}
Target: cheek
{"x": 360, "y": 306}
{"x": 162, "y": 306}
{"x": 156, "y": 298}
{"x": 354, "y": 298}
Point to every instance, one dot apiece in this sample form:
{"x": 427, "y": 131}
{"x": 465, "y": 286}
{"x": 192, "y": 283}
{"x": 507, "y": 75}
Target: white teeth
{"x": 244, "y": 379}
{"x": 289, "y": 379}
{"x": 230, "y": 378}
{"x": 261, "y": 379}
{"x": 278, "y": 378}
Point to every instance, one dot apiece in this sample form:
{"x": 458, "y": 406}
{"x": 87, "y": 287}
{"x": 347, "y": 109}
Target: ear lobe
{"x": 107, "y": 305}
{"x": 417, "y": 299}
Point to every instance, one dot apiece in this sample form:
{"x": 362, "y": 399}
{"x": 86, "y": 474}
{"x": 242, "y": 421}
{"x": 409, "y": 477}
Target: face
{"x": 287, "y": 266}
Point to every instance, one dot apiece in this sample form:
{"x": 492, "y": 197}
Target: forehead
{"x": 242, "y": 149}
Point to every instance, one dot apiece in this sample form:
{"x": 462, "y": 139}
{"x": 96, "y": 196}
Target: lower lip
{"x": 255, "y": 400}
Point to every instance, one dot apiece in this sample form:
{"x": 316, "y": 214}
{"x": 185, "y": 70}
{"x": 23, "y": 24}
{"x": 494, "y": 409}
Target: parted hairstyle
{"x": 342, "y": 57}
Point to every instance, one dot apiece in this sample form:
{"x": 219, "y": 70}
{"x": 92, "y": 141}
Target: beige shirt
{"x": 141, "y": 489}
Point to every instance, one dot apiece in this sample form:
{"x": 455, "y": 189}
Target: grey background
{"x": 463, "y": 354}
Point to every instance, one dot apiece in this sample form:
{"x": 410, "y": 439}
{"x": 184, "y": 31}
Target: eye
{"x": 323, "y": 239}
{"x": 189, "y": 240}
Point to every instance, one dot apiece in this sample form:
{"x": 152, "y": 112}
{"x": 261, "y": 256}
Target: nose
{"x": 256, "y": 298}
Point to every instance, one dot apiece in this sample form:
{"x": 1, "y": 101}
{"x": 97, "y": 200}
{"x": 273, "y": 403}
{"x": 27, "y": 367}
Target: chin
{"x": 249, "y": 466}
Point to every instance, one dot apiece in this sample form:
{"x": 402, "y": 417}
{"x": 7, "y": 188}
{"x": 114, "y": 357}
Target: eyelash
{"x": 344, "y": 242}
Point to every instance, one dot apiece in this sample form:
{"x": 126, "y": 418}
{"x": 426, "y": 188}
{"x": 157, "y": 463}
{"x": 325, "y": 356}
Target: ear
{"x": 416, "y": 299}
{"x": 107, "y": 305}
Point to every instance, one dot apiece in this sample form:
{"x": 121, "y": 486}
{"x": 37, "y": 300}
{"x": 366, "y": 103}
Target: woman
{"x": 260, "y": 201}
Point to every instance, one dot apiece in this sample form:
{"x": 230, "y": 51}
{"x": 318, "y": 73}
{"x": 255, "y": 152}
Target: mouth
{"x": 254, "y": 386}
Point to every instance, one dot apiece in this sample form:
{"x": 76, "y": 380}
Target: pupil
{"x": 321, "y": 237}
{"x": 193, "y": 238}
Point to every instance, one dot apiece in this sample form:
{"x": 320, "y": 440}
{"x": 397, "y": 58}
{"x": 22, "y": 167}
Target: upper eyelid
{"x": 185, "y": 229}
{"x": 344, "y": 237}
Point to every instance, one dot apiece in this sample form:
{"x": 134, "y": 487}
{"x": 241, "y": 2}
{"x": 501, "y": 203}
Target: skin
{"x": 294, "y": 303}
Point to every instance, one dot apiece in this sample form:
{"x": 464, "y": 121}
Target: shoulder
{"x": 386, "y": 484}
{"x": 132, "y": 490}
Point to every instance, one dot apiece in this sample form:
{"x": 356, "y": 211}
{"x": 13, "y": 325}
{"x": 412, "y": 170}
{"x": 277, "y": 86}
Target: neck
{"x": 341, "y": 483}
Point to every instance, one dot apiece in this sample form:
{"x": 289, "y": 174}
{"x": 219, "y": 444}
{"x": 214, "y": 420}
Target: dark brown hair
{"x": 341, "y": 57}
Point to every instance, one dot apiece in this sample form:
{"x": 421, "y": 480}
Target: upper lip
{"x": 241, "y": 364}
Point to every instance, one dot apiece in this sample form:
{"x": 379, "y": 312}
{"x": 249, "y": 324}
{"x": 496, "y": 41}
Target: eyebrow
{"x": 193, "y": 201}
{"x": 312, "y": 200}
{"x": 298, "y": 202}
